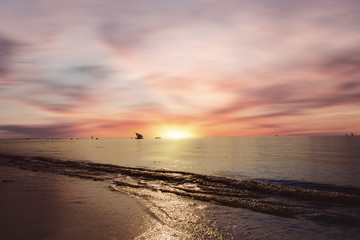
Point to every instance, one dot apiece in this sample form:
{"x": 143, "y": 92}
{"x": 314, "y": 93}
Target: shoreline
{"x": 38, "y": 205}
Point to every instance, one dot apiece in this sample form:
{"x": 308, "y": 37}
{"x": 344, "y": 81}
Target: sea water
{"x": 223, "y": 187}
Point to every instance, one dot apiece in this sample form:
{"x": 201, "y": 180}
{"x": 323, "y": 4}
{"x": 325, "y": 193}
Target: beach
{"x": 179, "y": 120}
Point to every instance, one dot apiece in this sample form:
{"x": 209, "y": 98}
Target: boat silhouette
{"x": 139, "y": 136}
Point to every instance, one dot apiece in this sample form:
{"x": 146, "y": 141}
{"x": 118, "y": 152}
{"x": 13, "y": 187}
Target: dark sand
{"x": 36, "y": 205}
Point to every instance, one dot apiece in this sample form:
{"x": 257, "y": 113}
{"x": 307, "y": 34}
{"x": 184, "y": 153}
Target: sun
{"x": 176, "y": 131}
{"x": 176, "y": 134}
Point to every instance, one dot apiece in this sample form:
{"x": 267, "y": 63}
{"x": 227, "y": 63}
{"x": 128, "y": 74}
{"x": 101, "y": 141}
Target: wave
{"x": 270, "y": 198}
{"x": 313, "y": 186}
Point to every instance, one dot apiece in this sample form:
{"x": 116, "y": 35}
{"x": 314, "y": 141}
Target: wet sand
{"x": 37, "y": 205}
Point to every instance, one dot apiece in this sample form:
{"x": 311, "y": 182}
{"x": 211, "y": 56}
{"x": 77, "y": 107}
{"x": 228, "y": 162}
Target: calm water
{"x": 274, "y": 187}
{"x": 333, "y": 160}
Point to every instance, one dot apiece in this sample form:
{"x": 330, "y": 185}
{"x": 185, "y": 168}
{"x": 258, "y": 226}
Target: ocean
{"x": 301, "y": 187}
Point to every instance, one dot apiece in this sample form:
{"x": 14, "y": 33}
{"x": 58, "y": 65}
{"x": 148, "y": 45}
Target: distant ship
{"x": 157, "y": 137}
{"x": 139, "y": 136}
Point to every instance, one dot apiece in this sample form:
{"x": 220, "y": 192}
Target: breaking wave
{"x": 269, "y": 198}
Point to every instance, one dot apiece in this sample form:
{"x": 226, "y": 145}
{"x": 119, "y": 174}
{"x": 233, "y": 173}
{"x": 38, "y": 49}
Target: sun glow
{"x": 176, "y": 131}
{"x": 176, "y": 134}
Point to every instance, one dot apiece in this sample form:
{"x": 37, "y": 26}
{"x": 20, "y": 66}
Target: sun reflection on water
{"x": 172, "y": 216}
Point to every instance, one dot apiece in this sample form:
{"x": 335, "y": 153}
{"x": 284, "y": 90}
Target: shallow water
{"x": 300, "y": 184}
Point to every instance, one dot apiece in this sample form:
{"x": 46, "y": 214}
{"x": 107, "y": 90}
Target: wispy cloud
{"x": 57, "y": 130}
{"x": 7, "y": 48}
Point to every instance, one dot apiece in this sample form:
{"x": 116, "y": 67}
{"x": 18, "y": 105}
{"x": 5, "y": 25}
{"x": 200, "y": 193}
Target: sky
{"x": 110, "y": 68}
